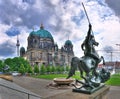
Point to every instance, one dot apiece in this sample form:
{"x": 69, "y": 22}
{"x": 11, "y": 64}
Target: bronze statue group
{"x": 88, "y": 64}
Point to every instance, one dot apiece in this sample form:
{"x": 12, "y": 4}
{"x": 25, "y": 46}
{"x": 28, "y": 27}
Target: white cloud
{"x": 3, "y": 36}
{"x": 57, "y": 17}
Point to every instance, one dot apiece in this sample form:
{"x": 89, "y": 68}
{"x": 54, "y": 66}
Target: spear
{"x": 86, "y": 15}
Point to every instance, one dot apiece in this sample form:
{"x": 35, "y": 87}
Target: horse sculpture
{"x": 88, "y": 64}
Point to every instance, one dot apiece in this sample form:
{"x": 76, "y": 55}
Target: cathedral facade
{"x": 42, "y": 49}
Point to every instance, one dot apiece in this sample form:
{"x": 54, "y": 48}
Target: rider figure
{"x": 89, "y": 50}
{"x": 88, "y": 45}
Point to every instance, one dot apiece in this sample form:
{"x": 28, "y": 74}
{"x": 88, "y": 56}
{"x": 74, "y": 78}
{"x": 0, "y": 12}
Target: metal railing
{"x": 28, "y": 94}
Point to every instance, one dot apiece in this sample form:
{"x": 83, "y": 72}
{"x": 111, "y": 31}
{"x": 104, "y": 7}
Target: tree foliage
{"x": 36, "y": 69}
{"x": 29, "y": 69}
{"x": 53, "y": 69}
{"x": 23, "y": 66}
{"x": 1, "y": 65}
{"x": 48, "y": 69}
{"x": 16, "y": 62}
{"x": 42, "y": 69}
{"x": 67, "y": 68}
{"x": 21, "y": 69}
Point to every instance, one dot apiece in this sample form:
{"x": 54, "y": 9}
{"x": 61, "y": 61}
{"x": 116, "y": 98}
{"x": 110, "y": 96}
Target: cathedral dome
{"x": 68, "y": 42}
{"x": 42, "y": 33}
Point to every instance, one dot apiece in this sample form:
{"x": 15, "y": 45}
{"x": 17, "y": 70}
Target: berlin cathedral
{"x": 42, "y": 49}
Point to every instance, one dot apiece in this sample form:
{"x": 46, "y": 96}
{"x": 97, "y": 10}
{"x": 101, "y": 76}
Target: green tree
{"x": 36, "y": 69}
{"x": 29, "y": 69}
{"x": 42, "y": 69}
{"x": 58, "y": 69}
{"x": 48, "y": 69}
{"x": 1, "y": 65}
{"x": 16, "y": 62}
{"x": 10, "y": 63}
{"x": 22, "y": 69}
{"x": 62, "y": 68}
{"x": 67, "y": 68}
{"x": 53, "y": 69}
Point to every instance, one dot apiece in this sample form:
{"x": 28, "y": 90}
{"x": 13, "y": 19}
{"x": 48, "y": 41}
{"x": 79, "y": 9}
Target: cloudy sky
{"x": 63, "y": 19}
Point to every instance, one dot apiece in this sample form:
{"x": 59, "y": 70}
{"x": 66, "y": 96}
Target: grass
{"x": 114, "y": 80}
{"x": 52, "y": 76}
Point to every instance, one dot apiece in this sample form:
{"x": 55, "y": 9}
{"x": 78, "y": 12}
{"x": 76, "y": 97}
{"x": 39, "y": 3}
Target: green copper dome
{"x": 32, "y": 33}
{"x": 68, "y": 42}
{"x": 42, "y": 33}
{"x": 22, "y": 49}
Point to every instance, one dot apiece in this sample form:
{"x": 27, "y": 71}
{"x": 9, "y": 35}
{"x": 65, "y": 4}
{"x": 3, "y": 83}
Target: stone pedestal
{"x": 100, "y": 94}
{"x": 88, "y": 90}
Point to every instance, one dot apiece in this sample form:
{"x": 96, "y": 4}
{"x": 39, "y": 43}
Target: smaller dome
{"x": 32, "y": 33}
{"x": 22, "y": 49}
{"x": 68, "y": 42}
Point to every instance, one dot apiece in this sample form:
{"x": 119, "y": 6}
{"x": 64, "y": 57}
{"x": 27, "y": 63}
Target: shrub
{"x": 67, "y": 68}
{"x": 29, "y": 69}
{"x": 53, "y": 69}
{"x": 36, "y": 69}
{"x": 48, "y": 69}
{"x": 42, "y": 69}
{"x": 22, "y": 69}
{"x": 58, "y": 70}
{"x": 62, "y": 68}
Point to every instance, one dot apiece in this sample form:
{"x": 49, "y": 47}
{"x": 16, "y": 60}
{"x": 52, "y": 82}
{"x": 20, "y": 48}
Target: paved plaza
{"x": 10, "y": 90}
{"x": 39, "y": 87}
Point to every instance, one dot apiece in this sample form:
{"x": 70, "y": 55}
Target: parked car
{"x": 15, "y": 73}
{"x": 1, "y": 72}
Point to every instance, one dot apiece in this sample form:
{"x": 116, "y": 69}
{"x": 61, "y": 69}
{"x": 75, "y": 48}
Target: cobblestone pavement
{"x": 38, "y": 86}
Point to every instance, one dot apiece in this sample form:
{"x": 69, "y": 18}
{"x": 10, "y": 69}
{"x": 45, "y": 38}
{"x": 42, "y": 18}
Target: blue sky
{"x": 63, "y": 18}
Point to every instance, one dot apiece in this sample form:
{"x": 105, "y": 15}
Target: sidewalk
{"x": 114, "y": 92}
{"x": 38, "y": 86}
{"x": 10, "y": 90}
